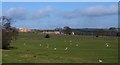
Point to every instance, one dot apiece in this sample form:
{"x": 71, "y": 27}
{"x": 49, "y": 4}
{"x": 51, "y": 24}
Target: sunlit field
{"x": 35, "y": 48}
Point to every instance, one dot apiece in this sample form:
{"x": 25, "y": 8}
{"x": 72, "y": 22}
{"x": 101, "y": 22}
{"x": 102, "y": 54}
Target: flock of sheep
{"x": 100, "y": 60}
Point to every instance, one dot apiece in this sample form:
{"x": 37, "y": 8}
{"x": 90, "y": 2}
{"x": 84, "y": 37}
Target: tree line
{"x": 87, "y": 31}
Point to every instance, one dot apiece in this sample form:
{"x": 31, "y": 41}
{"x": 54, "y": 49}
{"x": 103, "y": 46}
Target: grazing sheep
{"x": 47, "y": 46}
{"x": 54, "y": 48}
{"x": 76, "y": 44}
{"x": 100, "y": 61}
{"x": 107, "y": 45}
{"x": 66, "y": 48}
{"x": 24, "y": 44}
{"x": 40, "y": 44}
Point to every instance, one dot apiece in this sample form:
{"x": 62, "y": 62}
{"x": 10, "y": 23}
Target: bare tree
{"x": 8, "y": 33}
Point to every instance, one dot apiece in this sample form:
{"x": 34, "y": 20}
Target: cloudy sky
{"x": 51, "y": 15}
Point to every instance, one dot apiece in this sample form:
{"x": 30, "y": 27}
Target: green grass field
{"x": 80, "y": 49}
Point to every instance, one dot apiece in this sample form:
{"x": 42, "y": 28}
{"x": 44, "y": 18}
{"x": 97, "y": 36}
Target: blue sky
{"x": 60, "y": 0}
{"x": 51, "y": 15}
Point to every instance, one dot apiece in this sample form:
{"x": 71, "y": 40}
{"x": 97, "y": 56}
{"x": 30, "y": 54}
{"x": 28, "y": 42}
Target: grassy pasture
{"x": 34, "y": 48}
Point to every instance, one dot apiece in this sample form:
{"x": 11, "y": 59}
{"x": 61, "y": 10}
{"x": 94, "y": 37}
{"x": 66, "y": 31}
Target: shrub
{"x": 47, "y": 36}
{"x": 97, "y": 36}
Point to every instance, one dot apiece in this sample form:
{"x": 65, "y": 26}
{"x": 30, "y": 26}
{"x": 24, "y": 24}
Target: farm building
{"x": 24, "y": 30}
{"x": 51, "y": 32}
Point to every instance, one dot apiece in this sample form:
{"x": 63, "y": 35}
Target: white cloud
{"x": 100, "y": 10}
{"x": 21, "y": 13}
{"x": 42, "y": 13}
{"x": 17, "y": 13}
{"x": 69, "y": 14}
{"x": 92, "y": 11}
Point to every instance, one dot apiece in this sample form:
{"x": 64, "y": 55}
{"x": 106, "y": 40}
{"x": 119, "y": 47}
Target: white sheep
{"x": 100, "y": 60}
{"x": 47, "y": 46}
{"x": 107, "y": 45}
{"x": 40, "y": 44}
{"x": 55, "y": 48}
{"x": 24, "y": 43}
{"x": 76, "y": 44}
{"x": 66, "y": 48}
